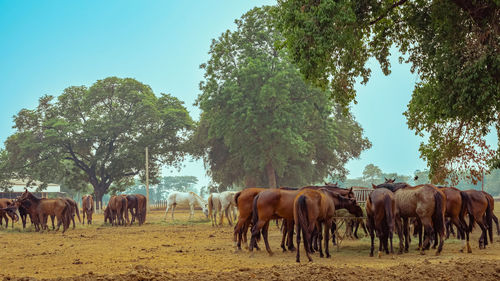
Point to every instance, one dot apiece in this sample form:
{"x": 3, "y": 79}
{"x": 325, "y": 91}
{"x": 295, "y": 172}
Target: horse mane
{"x": 32, "y": 197}
{"x": 393, "y": 186}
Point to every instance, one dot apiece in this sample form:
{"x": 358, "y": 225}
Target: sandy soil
{"x": 194, "y": 250}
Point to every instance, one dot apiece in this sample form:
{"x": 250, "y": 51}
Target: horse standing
{"x": 425, "y": 202}
{"x": 48, "y": 207}
{"x": 87, "y": 208}
{"x": 381, "y": 213}
{"x": 244, "y": 200}
{"x": 132, "y": 207}
{"x": 73, "y": 211}
{"x": 142, "y": 204}
{"x": 118, "y": 207}
{"x": 190, "y": 197}
{"x": 480, "y": 212}
{"x": 223, "y": 204}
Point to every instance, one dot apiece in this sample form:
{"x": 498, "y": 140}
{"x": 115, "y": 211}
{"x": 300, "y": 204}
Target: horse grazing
{"x": 244, "y": 200}
{"x": 48, "y": 207}
{"x": 87, "y": 208}
{"x": 311, "y": 208}
{"x": 118, "y": 207}
{"x": 381, "y": 212}
{"x": 190, "y": 197}
{"x": 141, "y": 208}
{"x": 425, "y": 202}
{"x": 132, "y": 207}
{"x": 480, "y": 212}
{"x": 7, "y": 208}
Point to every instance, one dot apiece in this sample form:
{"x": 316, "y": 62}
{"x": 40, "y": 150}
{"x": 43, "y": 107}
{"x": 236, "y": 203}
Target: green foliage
{"x": 371, "y": 172}
{"x": 454, "y": 46}
{"x": 261, "y": 123}
{"x": 102, "y": 131}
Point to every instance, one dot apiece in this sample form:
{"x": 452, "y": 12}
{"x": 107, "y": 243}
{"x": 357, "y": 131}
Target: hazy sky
{"x": 50, "y": 45}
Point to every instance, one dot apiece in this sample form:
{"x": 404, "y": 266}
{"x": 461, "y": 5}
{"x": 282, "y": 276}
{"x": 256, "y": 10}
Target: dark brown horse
{"x": 141, "y": 208}
{"x": 480, "y": 212}
{"x": 311, "y": 208}
{"x": 7, "y": 209}
{"x": 73, "y": 210}
{"x": 495, "y": 219}
{"x": 118, "y": 207}
{"x": 381, "y": 212}
{"x": 132, "y": 207}
{"x": 425, "y": 202}
{"x": 30, "y": 209}
{"x": 87, "y": 208}
{"x": 244, "y": 200}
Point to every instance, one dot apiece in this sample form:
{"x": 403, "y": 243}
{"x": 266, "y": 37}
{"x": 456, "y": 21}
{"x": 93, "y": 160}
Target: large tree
{"x": 454, "y": 46}
{"x": 261, "y": 124}
{"x": 102, "y": 130}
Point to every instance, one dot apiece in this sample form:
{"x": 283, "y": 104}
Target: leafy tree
{"x": 454, "y": 46}
{"x": 261, "y": 123}
{"x": 371, "y": 172}
{"x": 102, "y": 130}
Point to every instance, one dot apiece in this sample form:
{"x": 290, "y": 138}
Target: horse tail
{"x": 438, "y": 216}
{"x": 236, "y": 196}
{"x": 489, "y": 219}
{"x": 255, "y": 218}
{"x": 389, "y": 215}
{"x": 210, "y": 206}
{"x": 77, "y": 212}
{"x": 464, "y": 208}
{"x": 302, "y": 219}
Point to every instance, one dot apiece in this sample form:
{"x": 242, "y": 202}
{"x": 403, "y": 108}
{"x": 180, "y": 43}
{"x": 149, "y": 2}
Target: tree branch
{"x": 396, "y": 4}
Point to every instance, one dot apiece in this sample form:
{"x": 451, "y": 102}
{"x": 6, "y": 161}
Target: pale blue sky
{"x": 50, "y": 45}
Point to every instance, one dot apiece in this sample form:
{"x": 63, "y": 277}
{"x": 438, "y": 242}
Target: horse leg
{"x": 228, "y": 217}
{"x": 327, "y": 238}
{"x": 297, "y": 257}
{"x": 319, "y": 239}
{"x": 428, "y": 230}
{"x": 372, "y": 235}
{"x": 406, "y": 234}
{"x": 289, "y": 226}
{"x": 266, "y": 241}
{"x": 284, "y": 235}
{"x": 52, "y": 219}
{"x": 166, "y": 211}
{"x": 83, "y": 221}
{"x": 483, "y": 239}
{"x": 173, "y": 209}
{"x": 495, "y": 219}
{"x": 332, "y": 230}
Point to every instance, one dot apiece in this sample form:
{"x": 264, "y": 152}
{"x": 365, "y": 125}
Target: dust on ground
{"x": 194, "y": 250}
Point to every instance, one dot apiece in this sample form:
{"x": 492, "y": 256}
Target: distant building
{"x": 18, "y": 187}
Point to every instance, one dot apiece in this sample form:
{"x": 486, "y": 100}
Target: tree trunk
{"x": 271, "y": 175}
{"x": 99, "y": 191}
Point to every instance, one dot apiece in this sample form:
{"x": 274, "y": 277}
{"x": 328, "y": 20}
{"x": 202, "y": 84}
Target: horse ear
{"x": 374, "y": 186}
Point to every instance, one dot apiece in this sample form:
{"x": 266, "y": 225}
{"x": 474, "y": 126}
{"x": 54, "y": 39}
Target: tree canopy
{"x": 100, "y": 133}
{"x": 454, "y": 46}
{"x": 261, "y": 124}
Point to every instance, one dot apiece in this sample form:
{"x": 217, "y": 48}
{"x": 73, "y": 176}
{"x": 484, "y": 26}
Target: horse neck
{"x": 199, "y": 200}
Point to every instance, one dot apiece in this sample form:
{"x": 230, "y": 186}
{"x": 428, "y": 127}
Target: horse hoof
{"x": 328, "y": 256}
{"x": 437, "y": 253}
{"x": 371, "y": 254}
{"x": 271, "y": 254}
{"x": 379, "y": 255}
{"x": 422, "y": 253}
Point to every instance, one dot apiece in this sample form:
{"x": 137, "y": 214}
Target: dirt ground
{"x": 194, "y": 250}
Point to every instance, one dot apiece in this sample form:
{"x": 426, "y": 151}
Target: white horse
{"x": 190, "y": 197}
{"x": 222, "y": 203}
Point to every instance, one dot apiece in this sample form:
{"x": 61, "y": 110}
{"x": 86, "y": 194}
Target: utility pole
{"x": 147, "y": 179}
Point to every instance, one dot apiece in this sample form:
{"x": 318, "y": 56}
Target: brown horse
{"x": 381, "y": 212}
{"x": 480, "y": 212}
{"x": 48, "y": 207}
{"x": 107, "y": 215}
{"x": 495, "y": 219}
{"x": 456, "y": 207}
{"x": 141, "y": 208}
{"x": 269, "y": 204}
{"x": 244, "y": 201}
{"x": 425, "y": 202}
{"x": 117, "y": 206}
{"x": 73, "y": 210}
{"x": 6, "y": 211}
{"x": 30, "y": 209}
{"x": 311, "y": 208}
{"x": 87, "y": 208}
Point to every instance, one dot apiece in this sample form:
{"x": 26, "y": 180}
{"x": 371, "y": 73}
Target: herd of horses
{"x": 391, "y": 207}
{"x": 66, "y": 209}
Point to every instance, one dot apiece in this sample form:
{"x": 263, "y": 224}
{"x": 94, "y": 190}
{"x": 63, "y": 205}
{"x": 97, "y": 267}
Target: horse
{"x": 47, "y": 207}
{"x": 244, "y": 200}
{"x": 495, "y": 219}
{"x": 214, "y": 208}
{"x": 310, "y": 209}
{"x": 425, "y": 202}
{"x": 142, "y": 203}
{"x": 117, "y": 206}
{"x": 107, "y": 215}
{"x": 381, "y": 212}
{"x": 222, "y": 203}
{"x": 132, "y": 207}
{"x": 30, "y": 209}
{"x": 6, "y": 210}
{"x": 480, "y": 212}
{"x": 87, "y": 208}
{"x": 23, "y": 213}
{"x": 190, "y": 197}
{"x": 269, "y": 204}
{"x": 74, "y": 210}
{"x": 456, "y": 206}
